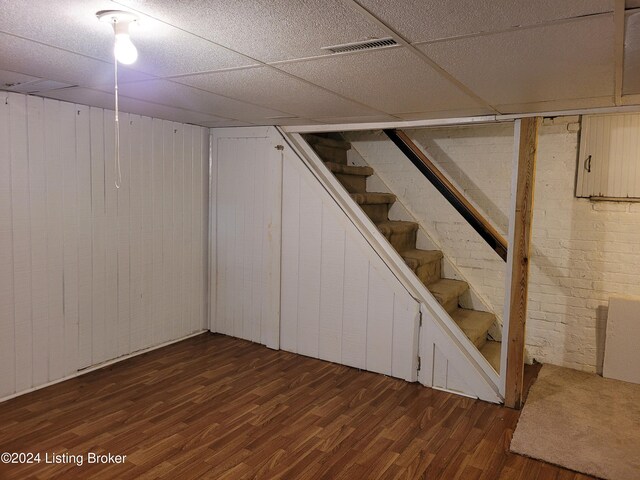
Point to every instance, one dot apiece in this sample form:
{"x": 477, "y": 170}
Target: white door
{"x": 246, "y": 197}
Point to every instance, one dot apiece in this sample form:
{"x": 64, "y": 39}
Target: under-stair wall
{"x": 339, "y": 297}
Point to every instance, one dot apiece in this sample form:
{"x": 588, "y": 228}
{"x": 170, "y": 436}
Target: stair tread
{"x": 349, "y": 169}
{"x": 396, "y": 226}
{"x": 445, "y": 289}
{"x": 328, "y": 142}
{"x": 373, "y": 198}
{"x": 491, "y": 351}
{"x": 416, "y": 257}
{"x": 475, "y": 324}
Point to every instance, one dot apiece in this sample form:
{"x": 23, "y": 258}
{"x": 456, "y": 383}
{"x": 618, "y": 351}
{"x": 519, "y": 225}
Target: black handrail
{"x": 449, "y": 191}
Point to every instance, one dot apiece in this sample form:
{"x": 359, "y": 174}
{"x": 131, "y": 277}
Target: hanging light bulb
{"x": 124, "y": 50}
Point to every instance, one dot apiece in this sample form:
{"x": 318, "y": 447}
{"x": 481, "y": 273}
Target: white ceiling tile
{"x": 85, "y": 96}
{"x": 570, "y": 60}
{"x": 72, "y": 25}
{"x": 392, "y": 80}
{"x": 274, "y": 89}
{"x": 189, "y": 98}
{"x": 30, "y": 58}
{"x": 422, "y": 20}
{"x": 268, "y": 30}
{"x": 7, "y": 78}
{"x": 631, "y": 76}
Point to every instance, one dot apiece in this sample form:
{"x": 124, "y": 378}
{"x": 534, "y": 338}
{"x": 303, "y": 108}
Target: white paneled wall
{"x": 340, "y": 302}
{"x": 89, "y": 272}
{"x": 246, "y": 205}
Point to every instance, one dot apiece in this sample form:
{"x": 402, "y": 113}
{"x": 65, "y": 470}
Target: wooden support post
{"x": 526, "y": 138}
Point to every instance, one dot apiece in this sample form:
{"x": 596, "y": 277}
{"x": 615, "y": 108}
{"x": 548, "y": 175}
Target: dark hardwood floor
{"x": 222, "y": 408}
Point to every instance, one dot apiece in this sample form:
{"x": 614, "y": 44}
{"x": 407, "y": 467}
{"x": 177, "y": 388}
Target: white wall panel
{"x": 340, "y": 302}
{"x": 89, "y": 272}
{"x": 247, "y": 179}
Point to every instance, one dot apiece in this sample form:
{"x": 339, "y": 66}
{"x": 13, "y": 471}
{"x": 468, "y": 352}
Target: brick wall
{"x": 582, "y": 251}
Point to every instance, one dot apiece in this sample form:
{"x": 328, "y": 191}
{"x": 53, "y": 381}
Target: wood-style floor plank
{"x": 222, "y": 408}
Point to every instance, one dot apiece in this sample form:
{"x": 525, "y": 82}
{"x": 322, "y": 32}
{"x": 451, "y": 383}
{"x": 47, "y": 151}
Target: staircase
{"x": 427, "y": 264}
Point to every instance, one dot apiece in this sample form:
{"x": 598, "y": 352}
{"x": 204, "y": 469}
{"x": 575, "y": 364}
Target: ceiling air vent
{"x": 365, "y": 45}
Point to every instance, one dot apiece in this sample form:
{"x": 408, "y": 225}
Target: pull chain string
{"x": 117, "y": 132}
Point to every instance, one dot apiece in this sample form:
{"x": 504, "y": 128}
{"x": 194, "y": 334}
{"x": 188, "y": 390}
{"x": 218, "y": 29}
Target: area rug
{"x": 583, "y": 422}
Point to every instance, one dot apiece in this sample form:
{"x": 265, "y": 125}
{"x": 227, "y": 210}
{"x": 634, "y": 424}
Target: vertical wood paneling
{"x": 21, "y": 229}
{"x": 85, "y": 253}
{"x": 67, "y": 122}
{"x": 379, "y": 324}
{"x": 331, "y": 288}
{"x": 340, "y": 302}
{"x": 290, "y": 256}
{"x": 55, "y": 249}
{"x": 98, "y": 248}
{"x": 7, "y": 318}
{"x": 310, "y": 261}
{"x": 39, "y": 277}
{"x": 247, "y": 249}
{"x": 136, "y": 255}
{"x": 85, "y": 272}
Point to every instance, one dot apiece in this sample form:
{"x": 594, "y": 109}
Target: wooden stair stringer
{"x": 482, "y": 380}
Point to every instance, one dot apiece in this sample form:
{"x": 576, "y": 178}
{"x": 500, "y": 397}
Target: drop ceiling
{"x": 262, "y": 62}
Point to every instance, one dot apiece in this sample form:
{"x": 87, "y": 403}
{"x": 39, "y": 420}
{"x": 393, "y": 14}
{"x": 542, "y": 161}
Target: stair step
{"x": 327, "y": 142}
{"x": 329, "y": 149}
{"x": 349, "y": 169}
{"x": 475, "y": 324}
{"x": 373, "y": 198}
{"x": 426, "y": 263}
{"x": 491, "y": 351}
{"x": 402, "y": 235}
{"x": 375, "y": 205}
{"x": 447, "y": 292}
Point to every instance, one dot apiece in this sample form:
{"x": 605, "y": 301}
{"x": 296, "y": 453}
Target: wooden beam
{"x": 449, "y": 191}
{"x": 520, "y": 242}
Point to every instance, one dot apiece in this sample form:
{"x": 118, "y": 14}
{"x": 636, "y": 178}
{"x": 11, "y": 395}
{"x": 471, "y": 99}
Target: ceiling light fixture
{"x": 124, "y": 50}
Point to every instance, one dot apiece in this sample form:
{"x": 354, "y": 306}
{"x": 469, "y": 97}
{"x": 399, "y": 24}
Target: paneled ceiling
{"x": 262, "y": 62}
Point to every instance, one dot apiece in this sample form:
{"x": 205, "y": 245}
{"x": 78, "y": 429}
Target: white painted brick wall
{"x": 582, "y": 251}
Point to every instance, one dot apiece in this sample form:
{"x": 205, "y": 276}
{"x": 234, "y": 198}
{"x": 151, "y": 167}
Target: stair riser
{"x": 353, "y": 183}
{"x": 377, "y": 213}
{"x": 480, "y": 342}
{"x": 449, "y": 305}
{"x": 402, "y": 241}
{"x": 430, "y": 272}
{"x": 331, "y": 154}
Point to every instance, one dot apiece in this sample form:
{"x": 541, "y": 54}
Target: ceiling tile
{"x": 8, "y": 78}
{"x": 571, "y": 60}
{"x": 268, "y": 30}
{"x": 72, "y": 25}
{"x": 189, "y": 98}
{"x": 275, "y": 89}
{"x": 422, "y": 20}
{"x": 392, "y": 80}
{"x": 85, "y": 96}
{"x": 30, "y": 58}
{"x": 467, "y": 112}
{"x": 631, "y": 76}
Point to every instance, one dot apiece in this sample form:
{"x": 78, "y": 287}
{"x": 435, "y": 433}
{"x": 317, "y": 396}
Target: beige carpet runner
{"x": 583, "y": 422}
